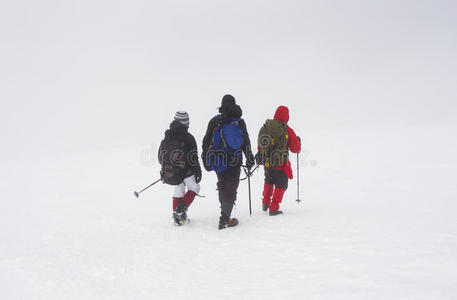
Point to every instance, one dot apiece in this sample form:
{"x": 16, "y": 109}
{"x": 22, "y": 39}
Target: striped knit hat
{"x": 182, "y": 117}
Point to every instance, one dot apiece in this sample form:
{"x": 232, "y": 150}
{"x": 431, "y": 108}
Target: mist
{"x": 85, "y": 75}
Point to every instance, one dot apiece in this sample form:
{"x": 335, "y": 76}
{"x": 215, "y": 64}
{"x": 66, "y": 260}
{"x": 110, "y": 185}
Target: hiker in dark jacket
{"x": 277, "y": 176}
{"x": 228, "y": 179}
{"x": 190, "y": 172}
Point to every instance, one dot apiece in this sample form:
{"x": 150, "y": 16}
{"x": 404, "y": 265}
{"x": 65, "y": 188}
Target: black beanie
{"x": 228, "y": 100}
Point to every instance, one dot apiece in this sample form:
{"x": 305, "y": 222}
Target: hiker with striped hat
{"x": 180, "y": 166}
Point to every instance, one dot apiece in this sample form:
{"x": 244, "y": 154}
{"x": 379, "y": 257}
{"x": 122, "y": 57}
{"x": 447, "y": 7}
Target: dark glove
{"x": 250, "y": 162}
{"x": 299, "y": 139}
{"x": 198, "y": 175}
{"x": 259, "y": 159}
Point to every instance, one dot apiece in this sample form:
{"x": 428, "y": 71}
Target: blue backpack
{"x": 226, "y": 146}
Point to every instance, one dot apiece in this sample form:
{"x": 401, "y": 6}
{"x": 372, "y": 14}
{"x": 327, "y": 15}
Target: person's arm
{"x": 209, "y": 135}
{"x": 193, "y": 158}
{"x": 160, "y": 154}
{"x": 294, "y": 142}
{"x": 207, "y": 139}
{"x": 247, "y": 150}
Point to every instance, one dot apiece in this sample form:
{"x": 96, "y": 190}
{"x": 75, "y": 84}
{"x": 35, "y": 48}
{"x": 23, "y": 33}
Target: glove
{"x": 250, "y": 162}
{"x": 299, "y": 139}
{"x": 259, "y": 159}
{"x": 198, "y": 175}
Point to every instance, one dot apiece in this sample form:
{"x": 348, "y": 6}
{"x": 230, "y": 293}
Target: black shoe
{"x": 177, "y": 219}
{"x": 181, "y": 212}
{"x": 184, "y": 218}
{"x": 275, "y": 212}
{"x": 232, "y": 223}
{"x": 223, "y": 221}
{"x": 265, "y": 207}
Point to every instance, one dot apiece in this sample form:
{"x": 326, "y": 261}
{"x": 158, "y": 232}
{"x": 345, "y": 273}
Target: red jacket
{"x": 282, "y": 114}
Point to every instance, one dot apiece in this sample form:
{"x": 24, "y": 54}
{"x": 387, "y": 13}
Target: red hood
{"x": 282, "y": 114}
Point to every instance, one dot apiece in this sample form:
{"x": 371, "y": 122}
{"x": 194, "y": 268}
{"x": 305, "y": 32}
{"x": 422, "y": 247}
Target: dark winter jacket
{"x": 180, "y": 132}
{"x": 227, "y": 114}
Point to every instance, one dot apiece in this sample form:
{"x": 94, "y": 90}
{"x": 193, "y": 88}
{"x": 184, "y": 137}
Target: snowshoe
{"x": 275, "y": 212}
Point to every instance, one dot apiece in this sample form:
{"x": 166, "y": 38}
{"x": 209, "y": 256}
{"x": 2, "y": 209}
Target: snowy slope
{"x": 370, "y": 226}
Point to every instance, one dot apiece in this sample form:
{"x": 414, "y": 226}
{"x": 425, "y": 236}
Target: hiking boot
{"x": 233, "y": 222}
{"x": 265, "y": 207}
{"x": 181, "y": 212}
{"x": 184, "y": 218}
{"x": 177, "y": 219}
{"x": 225, "y": 222}
{"x": 275, "y": 212}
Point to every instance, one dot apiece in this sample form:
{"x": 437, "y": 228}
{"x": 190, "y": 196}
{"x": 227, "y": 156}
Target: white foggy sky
{"x": 79, "y": 75}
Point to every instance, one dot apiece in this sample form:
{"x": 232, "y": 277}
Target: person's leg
{"x": 227, "y": 185}
{"x": 178, "y": 198}
{"x": 178, "y": 195}
{"x": 281, "y": 184}
{"x": 193, "y": 188}
{"x": 267, "y": 190}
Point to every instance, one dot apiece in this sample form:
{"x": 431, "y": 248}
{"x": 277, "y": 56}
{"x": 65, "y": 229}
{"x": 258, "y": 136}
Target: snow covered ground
{"x": 377, "y": 221}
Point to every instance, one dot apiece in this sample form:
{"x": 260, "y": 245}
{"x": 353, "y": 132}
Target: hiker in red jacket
{"x": 276, "y": 138}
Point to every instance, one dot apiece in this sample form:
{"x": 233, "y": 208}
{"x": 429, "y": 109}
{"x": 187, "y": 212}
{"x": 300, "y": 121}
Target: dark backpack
{"x": 226, "y": 146}
{"x": 273, "y": 144}
{"x": 172, "y": 157}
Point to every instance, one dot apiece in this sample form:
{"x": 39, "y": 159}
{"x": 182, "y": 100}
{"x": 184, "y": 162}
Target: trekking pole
{"x": 249, "y": 187}
{"x": 137, "y": 194}
{"x": 252, "y": 172}
{"x": 255, "y": 169}
{"x": 248, "y": 174}
{"x": 298, "y": 178}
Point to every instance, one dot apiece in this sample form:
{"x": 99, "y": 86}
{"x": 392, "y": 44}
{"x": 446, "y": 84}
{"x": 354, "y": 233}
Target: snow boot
{"x": 181, "y": 211}
{"x": 275, "y": 212}
{"x": 225, "y": 222}
{"x": 177, "y": 219}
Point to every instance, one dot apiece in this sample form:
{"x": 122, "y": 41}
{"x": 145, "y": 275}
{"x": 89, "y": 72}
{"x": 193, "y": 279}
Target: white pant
{"x": 190, "y": 183}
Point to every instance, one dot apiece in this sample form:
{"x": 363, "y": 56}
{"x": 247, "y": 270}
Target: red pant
{"x": 272, "y": 196}
{"x": 276, "y": 183}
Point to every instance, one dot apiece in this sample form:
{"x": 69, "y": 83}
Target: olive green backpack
{"x": 272, "y": 144}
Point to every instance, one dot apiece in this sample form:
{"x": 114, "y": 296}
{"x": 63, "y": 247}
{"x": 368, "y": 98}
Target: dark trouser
{"x": 227, "y": 186}
{"x": 277, "y": 178}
